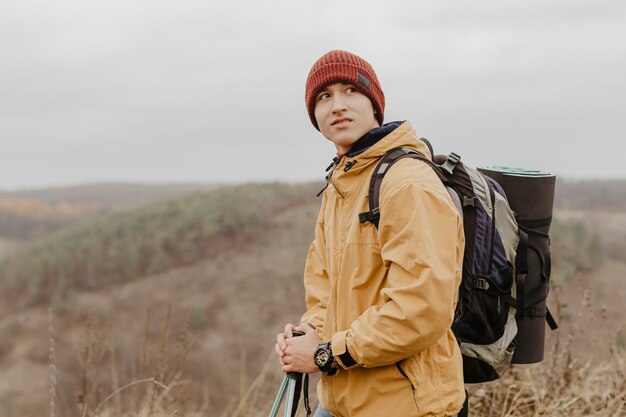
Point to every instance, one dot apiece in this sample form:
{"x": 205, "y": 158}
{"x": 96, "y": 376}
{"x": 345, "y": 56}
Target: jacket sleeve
{"x": 316, "y": 279}
{"x": 421, "y": 239}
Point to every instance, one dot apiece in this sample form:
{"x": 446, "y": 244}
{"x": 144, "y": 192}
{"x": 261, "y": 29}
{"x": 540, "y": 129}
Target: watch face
{"x": 321, "y": 357}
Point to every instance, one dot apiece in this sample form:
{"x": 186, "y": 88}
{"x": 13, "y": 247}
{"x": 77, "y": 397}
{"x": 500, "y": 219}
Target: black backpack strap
{"x": 526, "y": 303}
{"x": 305, "y": 389}
{"x": 521, "y": 271}
{"x": 523, "y": 300}
{"x": 550, "y": 320}
{"x": 373, "y": 215}
{"x": 390, "y": 158}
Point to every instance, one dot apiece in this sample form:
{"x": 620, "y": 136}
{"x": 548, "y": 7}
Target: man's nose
{"x": 339, "y": 103}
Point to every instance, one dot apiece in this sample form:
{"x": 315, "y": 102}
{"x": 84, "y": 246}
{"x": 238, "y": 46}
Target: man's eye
{"x": 351, "y": 90}
{"x": 323, "y": 96}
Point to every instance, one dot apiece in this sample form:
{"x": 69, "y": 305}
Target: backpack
{"x": 495, "y": 264}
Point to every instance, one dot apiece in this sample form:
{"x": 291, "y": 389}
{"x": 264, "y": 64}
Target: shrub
{"x": 127, "y": 245}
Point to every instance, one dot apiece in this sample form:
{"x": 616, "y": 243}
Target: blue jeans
{"x": 321, "y": 412}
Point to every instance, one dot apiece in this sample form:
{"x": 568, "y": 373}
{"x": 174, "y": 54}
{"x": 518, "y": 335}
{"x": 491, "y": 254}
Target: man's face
{"x": 343, "y": 114}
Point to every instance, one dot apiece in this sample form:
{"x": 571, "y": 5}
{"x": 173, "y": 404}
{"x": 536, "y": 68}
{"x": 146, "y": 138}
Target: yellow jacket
{"x": 388, "y": 294}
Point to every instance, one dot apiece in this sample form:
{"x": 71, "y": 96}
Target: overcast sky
{"x": 171, "y": 91}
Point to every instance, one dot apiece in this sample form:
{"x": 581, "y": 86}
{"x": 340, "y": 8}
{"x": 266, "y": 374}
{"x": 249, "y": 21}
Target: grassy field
{"x": 186, "y": 325}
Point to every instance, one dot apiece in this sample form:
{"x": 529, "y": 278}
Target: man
{"x": 380, "y": 300}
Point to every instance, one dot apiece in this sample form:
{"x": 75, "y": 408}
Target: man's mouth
{"x": 341, "y": 121}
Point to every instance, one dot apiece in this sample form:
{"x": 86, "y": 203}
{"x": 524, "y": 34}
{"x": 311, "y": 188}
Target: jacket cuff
{"x": 340, "y": 351}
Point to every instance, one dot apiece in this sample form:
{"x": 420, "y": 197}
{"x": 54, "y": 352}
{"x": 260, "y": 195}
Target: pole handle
{"x": 295, "y": 375}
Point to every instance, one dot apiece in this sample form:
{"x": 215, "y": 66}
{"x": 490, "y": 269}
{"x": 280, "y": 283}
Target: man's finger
{"x": 278, "y": 350}
{"x": 289, "y": 330}
{"x": 280, "y": 341}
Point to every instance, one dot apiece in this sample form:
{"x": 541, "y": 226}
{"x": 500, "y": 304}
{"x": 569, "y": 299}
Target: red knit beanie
{"x": 342, "y": 66}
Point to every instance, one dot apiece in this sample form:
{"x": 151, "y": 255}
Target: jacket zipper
{"x": 349, "y": 165}
{"x": 330, "y": 169}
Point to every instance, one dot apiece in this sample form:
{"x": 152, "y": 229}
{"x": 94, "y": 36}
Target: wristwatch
{"x": 325, "y": 360}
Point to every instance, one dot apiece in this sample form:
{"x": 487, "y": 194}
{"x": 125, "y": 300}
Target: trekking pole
{"x": 292, "y": 384}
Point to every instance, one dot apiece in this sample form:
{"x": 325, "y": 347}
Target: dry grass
{"x": 560, "y": 386}
{"x": 52, "y": 370}
{"x": 100, "y": 386}
{"x": 564, "y": 384}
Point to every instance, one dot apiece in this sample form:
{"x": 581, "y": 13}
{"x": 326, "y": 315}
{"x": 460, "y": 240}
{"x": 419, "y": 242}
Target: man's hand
{"x": 296, "y": 353}
{"x": 281, "y": 344}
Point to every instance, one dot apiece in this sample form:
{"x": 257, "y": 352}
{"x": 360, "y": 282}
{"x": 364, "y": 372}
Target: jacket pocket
{"x": 399, "y": 366}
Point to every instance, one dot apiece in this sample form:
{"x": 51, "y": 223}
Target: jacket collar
{"x": 371, "y": 137}
{"x": 349, "y": 167}
{"x": 403, "y": 135}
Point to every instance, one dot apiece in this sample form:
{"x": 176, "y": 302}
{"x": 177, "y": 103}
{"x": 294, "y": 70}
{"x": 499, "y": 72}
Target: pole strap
{"x": 307, "y": 405}
{"x": 301, "y": 384}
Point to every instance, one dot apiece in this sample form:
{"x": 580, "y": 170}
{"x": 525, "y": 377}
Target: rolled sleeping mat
{"x": 531, "y": 197}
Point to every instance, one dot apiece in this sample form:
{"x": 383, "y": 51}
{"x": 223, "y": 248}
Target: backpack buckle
{"x": 451, "y": 161}
{"x": 481, "y": 284}
{"x": 370, "y": 216}
{"x": 469, "y": 201}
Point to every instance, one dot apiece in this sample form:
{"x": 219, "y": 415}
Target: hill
{"x": 124, "y": 195}
{"x": 205, "y": 319}
{"x": 29, "y": 214}
{"x": 236, "y": 293}
{"x": 590, "y": 194}
{"x": 130, "y": 244}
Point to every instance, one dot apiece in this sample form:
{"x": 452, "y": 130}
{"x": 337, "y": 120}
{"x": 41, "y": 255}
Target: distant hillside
{"x": 28, "y": 214}
{"x": 569, "y": 193}
{"x": 104, "y": 249}
{"x": 122, "y": 195}
{"x": 27, "y": 218}
{"x": 590, "y": 194}
{"x": 130, "y": 244}
{"x": 600, "y": 207}
{"x": 7, "y": 246}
